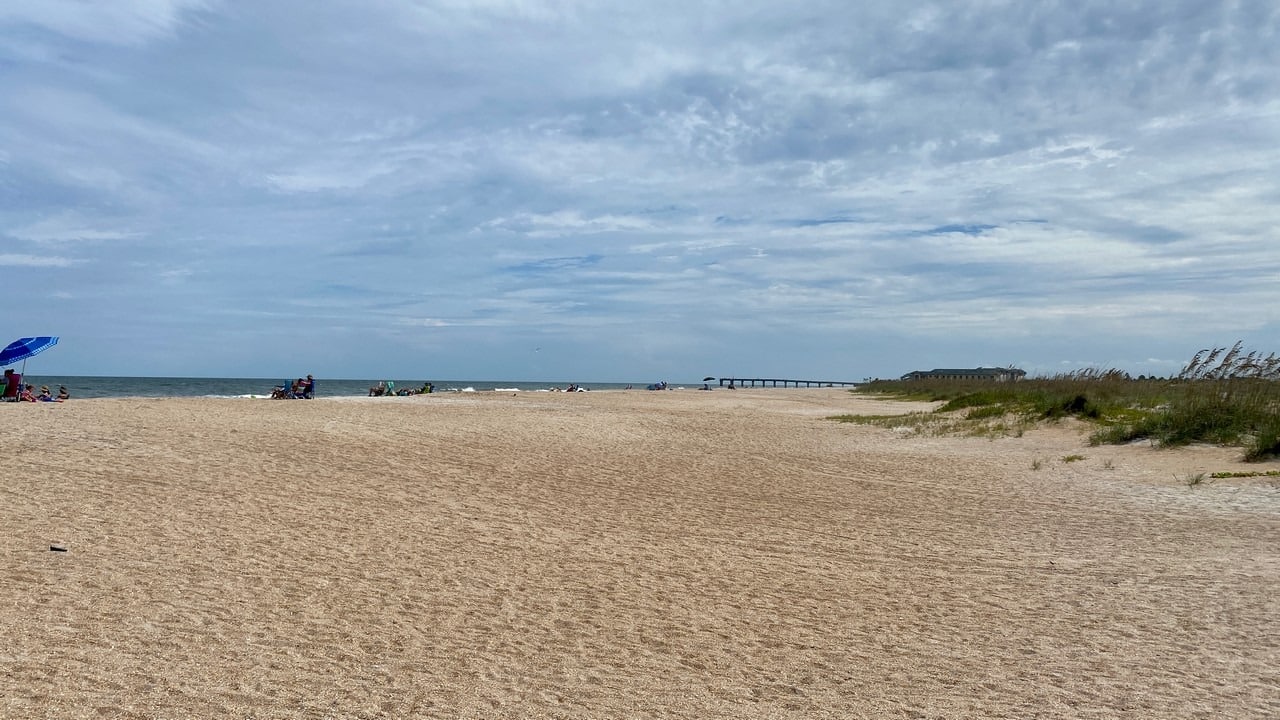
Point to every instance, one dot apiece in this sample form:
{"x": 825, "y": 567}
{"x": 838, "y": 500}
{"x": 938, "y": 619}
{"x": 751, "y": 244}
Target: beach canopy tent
{"x": 26, "y": 347}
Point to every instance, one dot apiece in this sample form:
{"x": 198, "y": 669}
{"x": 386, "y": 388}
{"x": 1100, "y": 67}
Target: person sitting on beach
{"x": 45, "y": 395}
{"x": 63, "y": 394}
{"x": 12, "y": 385}
{"x": 25, "y": 394}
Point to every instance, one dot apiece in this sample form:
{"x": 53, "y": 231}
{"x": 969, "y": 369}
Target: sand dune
{"x": 619, "y": 555}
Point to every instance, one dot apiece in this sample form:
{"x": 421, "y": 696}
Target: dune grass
{"x": 1224, "y": 396}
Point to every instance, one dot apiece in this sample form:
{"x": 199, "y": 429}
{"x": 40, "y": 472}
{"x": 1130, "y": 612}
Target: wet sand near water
{"x": 680, "y": 554}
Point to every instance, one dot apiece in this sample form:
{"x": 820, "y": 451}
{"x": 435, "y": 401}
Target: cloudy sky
{"x": 630, "y": 191}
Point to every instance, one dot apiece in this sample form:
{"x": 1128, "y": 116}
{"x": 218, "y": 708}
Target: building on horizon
{"x": 1008, "y": 374}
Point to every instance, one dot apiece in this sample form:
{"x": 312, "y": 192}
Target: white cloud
{"x": 12, "y": 260}
{"x": 115, "y": 23}
{"x": 68, "y": 228}
{"x": 540, "y": 225}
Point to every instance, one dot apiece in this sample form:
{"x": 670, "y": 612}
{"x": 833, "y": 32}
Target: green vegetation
{"x": 985, "y": 424}
{"x": 1224, "y": 396}
{"x": 1264, "y": 473}
{"x": 1194, "y": 479}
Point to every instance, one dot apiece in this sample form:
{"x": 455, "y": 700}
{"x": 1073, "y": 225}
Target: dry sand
{"x": 619, "y": 555}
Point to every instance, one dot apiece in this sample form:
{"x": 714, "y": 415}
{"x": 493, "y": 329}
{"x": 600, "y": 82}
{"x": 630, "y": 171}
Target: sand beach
{"x": 681, "y": 554}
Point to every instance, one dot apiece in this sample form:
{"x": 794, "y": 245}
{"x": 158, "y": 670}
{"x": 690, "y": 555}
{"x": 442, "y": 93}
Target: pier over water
{"x": 736, "y": 382}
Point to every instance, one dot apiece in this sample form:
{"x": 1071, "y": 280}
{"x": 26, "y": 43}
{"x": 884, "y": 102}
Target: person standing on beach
{"x": 309, "y": 388}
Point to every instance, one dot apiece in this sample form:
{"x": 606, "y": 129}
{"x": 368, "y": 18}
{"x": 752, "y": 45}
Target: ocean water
{"x": 110, "y": 387}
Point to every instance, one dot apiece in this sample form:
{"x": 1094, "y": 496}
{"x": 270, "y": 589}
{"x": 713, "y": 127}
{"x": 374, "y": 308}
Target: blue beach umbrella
{"x": 23, "y": 348}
